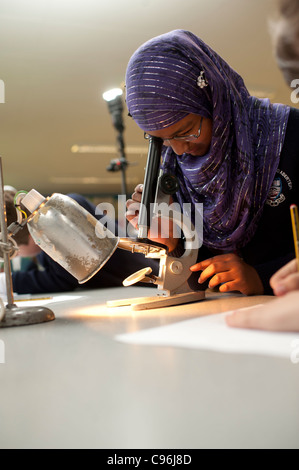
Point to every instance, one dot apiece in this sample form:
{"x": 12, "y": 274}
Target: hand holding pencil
{"x": 287, "y": 278}
{"x": 280, "y": 314}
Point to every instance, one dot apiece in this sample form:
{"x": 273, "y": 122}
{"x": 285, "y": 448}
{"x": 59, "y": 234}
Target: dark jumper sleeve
{"x": 266, "y": 270}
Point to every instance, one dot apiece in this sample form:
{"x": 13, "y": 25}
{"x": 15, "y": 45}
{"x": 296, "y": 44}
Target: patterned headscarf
{"x": 177, "y": 74}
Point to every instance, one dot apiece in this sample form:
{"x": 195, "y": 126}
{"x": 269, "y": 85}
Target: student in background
{"x": 285, "y": 36}
{"x": 44, "y": 275}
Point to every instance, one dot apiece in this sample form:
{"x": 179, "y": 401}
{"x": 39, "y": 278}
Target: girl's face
{"x": 188, "y": 126}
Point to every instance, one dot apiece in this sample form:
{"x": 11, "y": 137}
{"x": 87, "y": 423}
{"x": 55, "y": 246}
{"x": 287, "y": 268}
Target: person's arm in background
{"x": 49, "y": 276}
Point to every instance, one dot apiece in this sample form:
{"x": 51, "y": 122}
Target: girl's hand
{"x": 231, "y": 272}
{"x": 286, "y": 279}
{"x": 133, "y": 206}
{"x": 162, "y": 229}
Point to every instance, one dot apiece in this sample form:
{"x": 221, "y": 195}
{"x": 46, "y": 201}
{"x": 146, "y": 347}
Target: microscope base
{"x": 147, "y": 303}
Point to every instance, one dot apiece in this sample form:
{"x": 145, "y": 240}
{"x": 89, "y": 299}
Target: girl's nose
{"x": 179, "y": 146}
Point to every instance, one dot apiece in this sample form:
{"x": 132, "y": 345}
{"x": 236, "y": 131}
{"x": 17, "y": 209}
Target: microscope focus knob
{"x": 176, "y": 267}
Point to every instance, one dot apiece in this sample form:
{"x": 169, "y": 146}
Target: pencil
{"x": 295, "y": 226}
{"x": 26, "y": 300}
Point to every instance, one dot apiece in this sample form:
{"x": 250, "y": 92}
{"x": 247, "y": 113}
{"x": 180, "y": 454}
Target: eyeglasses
{"x": 186, "y": 138}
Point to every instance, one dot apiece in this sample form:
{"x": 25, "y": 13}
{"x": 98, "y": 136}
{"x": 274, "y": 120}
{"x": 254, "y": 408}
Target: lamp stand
{"x": 11, "y": 315}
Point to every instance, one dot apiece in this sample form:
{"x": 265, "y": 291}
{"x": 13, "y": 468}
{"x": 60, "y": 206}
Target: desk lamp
{"x": 66, "y": 232}
{"x": 11, "y": 315}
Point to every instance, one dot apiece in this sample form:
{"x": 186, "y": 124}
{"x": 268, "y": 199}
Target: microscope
{"x": 174, "y": 272}
{"x": 81, "y": 245}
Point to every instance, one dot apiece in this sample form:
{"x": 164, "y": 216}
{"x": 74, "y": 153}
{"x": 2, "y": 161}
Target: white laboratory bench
{"x": 69, "y": 384}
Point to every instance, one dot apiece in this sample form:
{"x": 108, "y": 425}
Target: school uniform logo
{"x": 280, "y": 183}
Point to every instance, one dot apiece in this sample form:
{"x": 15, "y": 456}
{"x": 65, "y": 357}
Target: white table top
{"x": 69, "y": 384}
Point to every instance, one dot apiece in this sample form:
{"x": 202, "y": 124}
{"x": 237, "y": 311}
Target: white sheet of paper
{"x": 211, "y": 332}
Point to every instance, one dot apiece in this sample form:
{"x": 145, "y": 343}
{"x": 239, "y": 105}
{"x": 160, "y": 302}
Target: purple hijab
{"x": 176, "y": 74}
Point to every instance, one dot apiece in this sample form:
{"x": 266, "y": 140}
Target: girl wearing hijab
{"x": 232, "y": 152}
